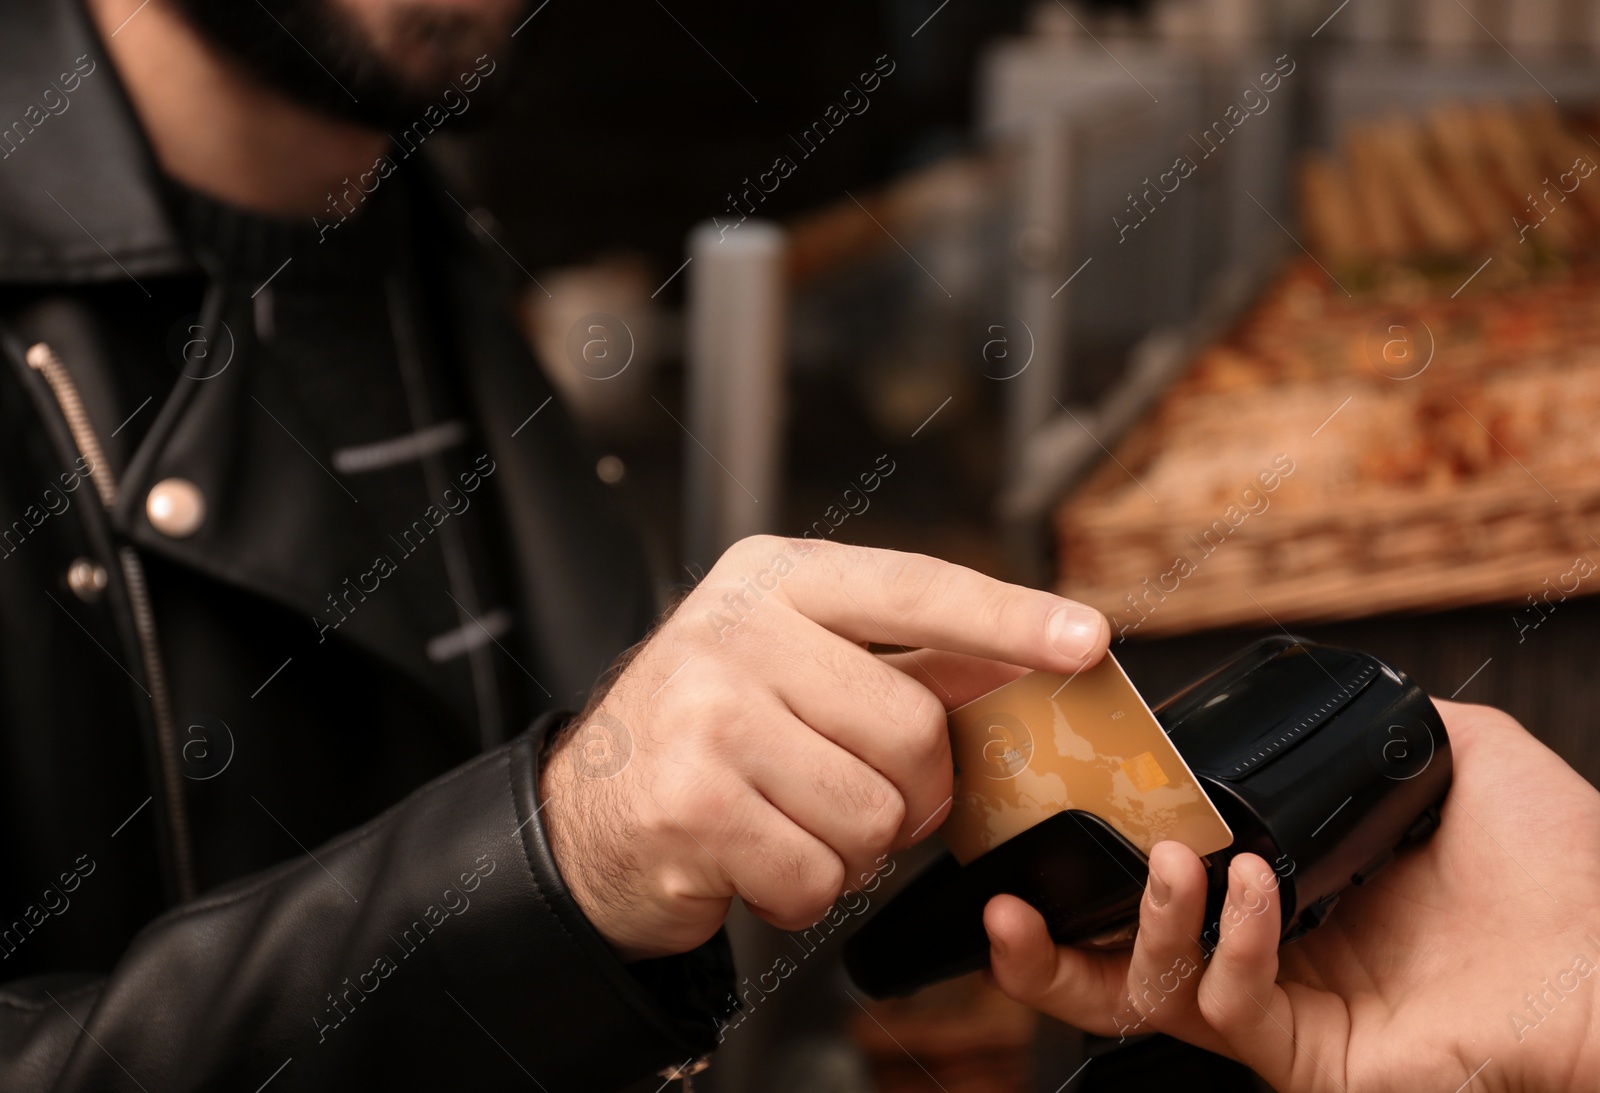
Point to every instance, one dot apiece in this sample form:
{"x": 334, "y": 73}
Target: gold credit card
{"x": 1045, "y": 743}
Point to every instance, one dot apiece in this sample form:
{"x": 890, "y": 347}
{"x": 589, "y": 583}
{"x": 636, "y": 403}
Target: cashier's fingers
{"x": 1239, "y": 995}
{"x": 1082, "y": 988}
{"x": 1231, "y": 1005}
{"x": 1165, "y": 972}
{"x": 954, "y": 678}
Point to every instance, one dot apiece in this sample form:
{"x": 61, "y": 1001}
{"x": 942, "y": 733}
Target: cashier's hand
{"x": 753, "y": 747}
{"x": 1427, "y": 977}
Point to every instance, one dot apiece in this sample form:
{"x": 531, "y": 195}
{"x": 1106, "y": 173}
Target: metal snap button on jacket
{"x": 176, "y": 507}
{"x": 86, "y": 579}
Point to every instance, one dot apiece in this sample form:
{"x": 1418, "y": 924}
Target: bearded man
{"x": 303, "y": 576}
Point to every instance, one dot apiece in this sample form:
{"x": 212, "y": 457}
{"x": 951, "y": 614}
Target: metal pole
{"x": 735, "y": 386}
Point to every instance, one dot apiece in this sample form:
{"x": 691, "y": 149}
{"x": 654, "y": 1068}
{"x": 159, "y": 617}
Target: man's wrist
{"x": 576, "y": 815}
{"x": 549, "y": 748}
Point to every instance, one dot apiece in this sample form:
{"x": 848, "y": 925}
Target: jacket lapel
{"x": 581, "y": 570}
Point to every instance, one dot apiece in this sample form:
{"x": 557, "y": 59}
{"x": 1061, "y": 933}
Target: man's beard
{"x": 315, "y": 54}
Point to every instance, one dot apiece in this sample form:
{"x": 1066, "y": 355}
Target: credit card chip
{"x": 1144, "y": 772}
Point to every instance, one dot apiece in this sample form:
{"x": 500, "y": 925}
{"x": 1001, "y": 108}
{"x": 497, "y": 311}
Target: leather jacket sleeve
{"x": 437, "y": 944}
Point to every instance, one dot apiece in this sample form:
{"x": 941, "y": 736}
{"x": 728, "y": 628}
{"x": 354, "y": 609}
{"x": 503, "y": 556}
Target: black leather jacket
{"x": 425, "y": 938}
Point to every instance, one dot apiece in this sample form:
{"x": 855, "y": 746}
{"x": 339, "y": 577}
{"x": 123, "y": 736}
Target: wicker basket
{"x": 1337, "y": 457}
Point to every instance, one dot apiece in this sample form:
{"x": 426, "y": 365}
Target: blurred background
{"x": 1045, "y": 288}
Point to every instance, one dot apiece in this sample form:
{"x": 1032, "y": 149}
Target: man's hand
{"x": 1473, "y": 957}
{"x": 754, "y": 747}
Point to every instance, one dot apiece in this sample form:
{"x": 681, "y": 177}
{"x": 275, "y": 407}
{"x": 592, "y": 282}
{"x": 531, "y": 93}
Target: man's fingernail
{"x": 1075, "y": 628}
{"x": 998, "y": 945}
{"x": 1160, "y": 890}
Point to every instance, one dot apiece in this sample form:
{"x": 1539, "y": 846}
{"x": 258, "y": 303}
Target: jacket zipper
{"x": 42, "y": 359}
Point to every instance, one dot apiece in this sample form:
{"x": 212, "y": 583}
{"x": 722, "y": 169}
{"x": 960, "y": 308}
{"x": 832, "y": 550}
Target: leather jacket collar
{"x": 77, "y": 178}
